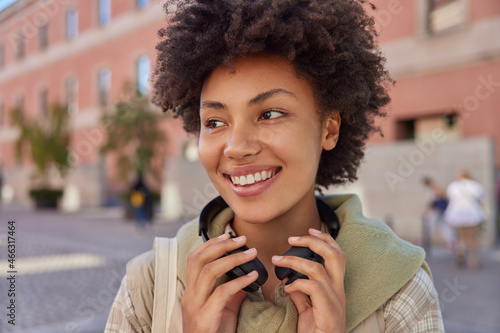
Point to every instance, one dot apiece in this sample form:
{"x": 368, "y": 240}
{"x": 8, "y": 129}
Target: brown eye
{"x": 272, "y": 114}
{"x": 212, "y": 123}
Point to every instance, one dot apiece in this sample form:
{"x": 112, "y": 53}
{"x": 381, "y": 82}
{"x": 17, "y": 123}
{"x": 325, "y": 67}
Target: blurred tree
{"x": 47, "y": 141}
{"x": 134, "y": 136}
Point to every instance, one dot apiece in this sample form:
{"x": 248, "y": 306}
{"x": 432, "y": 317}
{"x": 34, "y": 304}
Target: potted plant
{"x": 137, "y": 142}
{"x": 47, "y": 142}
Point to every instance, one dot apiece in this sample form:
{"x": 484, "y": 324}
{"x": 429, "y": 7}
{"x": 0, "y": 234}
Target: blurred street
{"x": 82, "y": 257}
{"x": 70, "y": 299}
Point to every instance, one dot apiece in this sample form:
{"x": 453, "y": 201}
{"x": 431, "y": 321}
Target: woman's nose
{"x": 242, "y": 142}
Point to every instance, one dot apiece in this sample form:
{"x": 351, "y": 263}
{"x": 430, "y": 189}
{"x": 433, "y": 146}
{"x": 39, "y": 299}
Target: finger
{"x": 313, "y": 270}
{"x": 230, "y": 312}
{"x": 325, "y": 307}
{"x": 212, "y": 271}
{"x": 201, "y": 248}
{"x": 205, "y": 246}
{"x": 226, "y": 295}
{"x": 324, "y": 245}
{"x": 208, "y": 252}
{"x": 327, "y": 238}
{"x": 319, "y": 297}
{"x": 234, "y": 303}
{"x": 300, "y": 300}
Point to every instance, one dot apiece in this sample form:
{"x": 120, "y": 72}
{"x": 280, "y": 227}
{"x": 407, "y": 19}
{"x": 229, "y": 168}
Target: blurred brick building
{"x": 445, "y": 57}
{"x": 445, "y": 113}
{"x": 79, "y": 53}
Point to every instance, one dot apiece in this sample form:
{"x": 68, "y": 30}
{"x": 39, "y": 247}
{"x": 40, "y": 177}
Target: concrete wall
{"x": 390, "y": 179}
{"x": 186, "y": 191}
{"x": 83, "y": 186}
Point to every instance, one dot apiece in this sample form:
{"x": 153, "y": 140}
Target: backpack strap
{"x": 165, "y": 284}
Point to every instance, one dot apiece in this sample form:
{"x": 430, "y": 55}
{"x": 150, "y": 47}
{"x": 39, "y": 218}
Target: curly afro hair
{"x": 330, "y": 42}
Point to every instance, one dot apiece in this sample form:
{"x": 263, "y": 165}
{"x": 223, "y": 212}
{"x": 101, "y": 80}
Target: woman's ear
{"x": 331, "y": 129}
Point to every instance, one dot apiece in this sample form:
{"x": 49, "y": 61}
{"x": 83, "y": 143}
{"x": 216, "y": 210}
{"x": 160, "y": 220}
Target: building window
{"x": 425, "y": 127}
{"x": 405, "y": 130}
{"x": 21, "y": 47}
{"x": 445, "y": 14}
{"x": 142, "y": 3}
{"x": 72, "y": 95}
{"x": 44, "y": 36}
{"x": 72, "y": 24}
{"x": 104, "y": 86}
{"x": 143, "y": 74}
{"x": 19, "y": 104}
{"x": 43, "y": 103}
{"x": 2, "y": 56}
{"x": 104, "y": 11}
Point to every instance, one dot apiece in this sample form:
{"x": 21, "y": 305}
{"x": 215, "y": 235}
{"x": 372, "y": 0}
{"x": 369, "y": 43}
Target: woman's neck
{"x": 271, "y": 237}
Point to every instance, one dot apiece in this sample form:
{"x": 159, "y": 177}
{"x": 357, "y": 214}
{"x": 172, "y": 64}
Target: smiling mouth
{"x": 252, "y": 178}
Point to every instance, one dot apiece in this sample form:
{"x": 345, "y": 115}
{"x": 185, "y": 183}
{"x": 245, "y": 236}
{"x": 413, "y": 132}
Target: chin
{"x": 255, "y": 210}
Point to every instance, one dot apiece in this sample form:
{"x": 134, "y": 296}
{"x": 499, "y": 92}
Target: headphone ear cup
{"x": 292, "y": 275}
{"x": 246, "y": 268}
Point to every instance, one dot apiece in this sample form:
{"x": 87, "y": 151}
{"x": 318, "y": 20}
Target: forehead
{"x": 253, "y": 75}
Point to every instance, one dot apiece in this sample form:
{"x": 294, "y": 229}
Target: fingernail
{"x": 252, "y": 273}
{"x": 314, "y": 231}
{"x": 239, "y": 239}
{"x": 250, "y": 251}
{"x": 223, "y": 236}
{"x": 293, "y": 239}
{"x": 277, "y": 258}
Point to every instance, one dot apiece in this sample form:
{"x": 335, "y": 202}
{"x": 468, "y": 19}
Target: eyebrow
{"x": 268, "y": 94}
{"x": 213, "y": 105}
{"x": 256, "y": 100}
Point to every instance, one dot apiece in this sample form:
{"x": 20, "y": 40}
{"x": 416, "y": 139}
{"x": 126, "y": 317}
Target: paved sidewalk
{"x": 63, "y": 299}
{"x": 470, "y": 301}
{"x": 52, "y": 297}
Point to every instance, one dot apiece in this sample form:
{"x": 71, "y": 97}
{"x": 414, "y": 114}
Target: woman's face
{"x": 261, "y": 139}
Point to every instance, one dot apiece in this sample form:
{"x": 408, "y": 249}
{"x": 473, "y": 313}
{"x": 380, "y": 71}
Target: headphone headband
{"x": 214, "y": 207}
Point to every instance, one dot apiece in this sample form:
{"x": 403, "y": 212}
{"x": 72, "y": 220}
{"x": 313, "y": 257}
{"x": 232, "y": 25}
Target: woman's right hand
{"x": 205, "y": 309}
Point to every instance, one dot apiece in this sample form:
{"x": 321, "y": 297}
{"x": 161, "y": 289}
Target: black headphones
{"x": 218, "y": 204}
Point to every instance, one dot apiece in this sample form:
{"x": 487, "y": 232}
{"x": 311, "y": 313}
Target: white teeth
{"x": 252, "y": 178}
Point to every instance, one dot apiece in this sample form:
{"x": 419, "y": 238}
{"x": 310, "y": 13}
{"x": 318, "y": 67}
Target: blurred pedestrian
{"x": 436, "y": 203}
{"x": 464, "y": 213}
{"x": 140, "y": 199}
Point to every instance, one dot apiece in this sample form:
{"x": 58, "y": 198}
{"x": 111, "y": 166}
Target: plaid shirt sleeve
{"x": 415, "y": 308}
{"x": 122, "y": 318}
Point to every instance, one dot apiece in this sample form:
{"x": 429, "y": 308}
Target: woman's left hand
{"x": 324, "y": 309}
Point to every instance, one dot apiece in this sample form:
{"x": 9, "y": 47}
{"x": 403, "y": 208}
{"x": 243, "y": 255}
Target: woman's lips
{"x": 253, "y": 183}
{"x": 253, "y": 178}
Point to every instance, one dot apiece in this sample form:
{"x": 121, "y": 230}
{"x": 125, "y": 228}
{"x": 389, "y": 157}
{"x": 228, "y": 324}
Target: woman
{"x": 464, "y": 213}
{"x": 436, "y": 202}
{"x": 282, "y": 96}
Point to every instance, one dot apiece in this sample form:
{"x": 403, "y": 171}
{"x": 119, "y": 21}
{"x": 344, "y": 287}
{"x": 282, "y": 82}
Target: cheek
{"x": 206, "y": 153}
{"x": 301, "y": 143}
